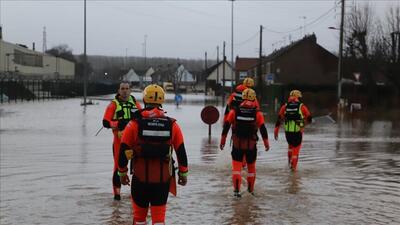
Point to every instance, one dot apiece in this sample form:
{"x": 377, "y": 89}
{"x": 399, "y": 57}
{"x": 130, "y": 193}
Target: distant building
{"x": 19, "y": 61}
{"x": 184, "y": 76}
{"x": 244, "y": 67}
{"x": 149, "y": 72}
{"x": 215, "y": 74}
{"x": 302, "y": 63}
{"x": 216, "y": 78}
{"x": 147, "y": 78}
{"x": 131, "y": 76}
{"x": 183, "y": 79}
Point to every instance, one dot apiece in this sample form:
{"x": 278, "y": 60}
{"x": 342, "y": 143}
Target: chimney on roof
{"x": 1, "y": 32}
{"x": 313, "y": 38}
{"x": 33, "y": 46}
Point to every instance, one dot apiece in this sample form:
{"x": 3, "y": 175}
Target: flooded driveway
{"x": 54, "y": 170}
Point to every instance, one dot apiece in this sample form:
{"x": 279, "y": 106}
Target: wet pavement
{"x": 54, "y": 170}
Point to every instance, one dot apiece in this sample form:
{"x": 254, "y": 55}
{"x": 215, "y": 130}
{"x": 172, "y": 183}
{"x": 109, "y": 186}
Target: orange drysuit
{"x": 246, "y": 120}
{"x": 295, "y": 115}
{"x": 150, "y": 138}
{"x": 116, "y": 116}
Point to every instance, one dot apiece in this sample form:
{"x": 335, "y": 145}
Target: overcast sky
{"x": 184, "y": 29}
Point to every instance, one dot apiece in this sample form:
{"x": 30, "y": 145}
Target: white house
{"x": 184, "y": 76}
{"x": 216, "y": 73}
{"x": 131, "y": 76}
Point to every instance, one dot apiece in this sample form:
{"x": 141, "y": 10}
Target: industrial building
{"x": 18, "y": 61}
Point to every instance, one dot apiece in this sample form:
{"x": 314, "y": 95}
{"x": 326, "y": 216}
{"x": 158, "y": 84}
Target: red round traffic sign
{"x": 210, "y": 115}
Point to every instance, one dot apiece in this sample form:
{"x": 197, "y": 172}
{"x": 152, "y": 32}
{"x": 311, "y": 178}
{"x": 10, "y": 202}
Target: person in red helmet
{"x": 118, "y": 113}
{"x": 246, "y": 120}
{"x": 148, "y": 141}
{"x": 295, "y": 115}
{"x": 235, "y": 98}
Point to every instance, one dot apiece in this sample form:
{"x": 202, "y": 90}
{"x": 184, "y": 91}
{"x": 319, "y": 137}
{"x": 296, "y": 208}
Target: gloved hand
{"x": 122, "y": 124}
{"x": 266, "y": 144}
{"x": 276, "y": 132}
{"x": 125, "y": 180}
{"x": 182, "y": 180}
{"x": 222, "y": 143}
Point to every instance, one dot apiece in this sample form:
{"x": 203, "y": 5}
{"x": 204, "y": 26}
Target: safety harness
{"x": 294, "y": 119}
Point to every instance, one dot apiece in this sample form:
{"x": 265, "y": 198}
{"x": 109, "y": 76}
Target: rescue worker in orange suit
{"x": 117, "y": 115}
{"x": 149, "y": 141}
{"x": 295, "y": 115}
{"x": 235, "y": 98}
{"x": 246, "y": 120}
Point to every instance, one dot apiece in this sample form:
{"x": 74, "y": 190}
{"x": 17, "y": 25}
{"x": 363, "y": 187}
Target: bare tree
{"x": 358, "y": 31}
{"x": 177, "y": 77}
{"x": 393, "y": 31}
{"x": 361, "y": 31}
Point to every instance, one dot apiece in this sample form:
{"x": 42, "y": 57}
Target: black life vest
{"x": 237, "y": 100}
{"x": 152, "y": 164}
{"x": 245, "y": 123}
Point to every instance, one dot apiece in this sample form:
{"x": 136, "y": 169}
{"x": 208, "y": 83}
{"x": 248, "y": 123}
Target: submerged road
{"x": 54, "y": 170}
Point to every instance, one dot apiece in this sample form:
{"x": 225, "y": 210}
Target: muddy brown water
{"x": 55, "y": 171}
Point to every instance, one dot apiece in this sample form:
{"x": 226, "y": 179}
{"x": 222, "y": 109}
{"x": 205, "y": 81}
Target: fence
{"x": 19, "y": 90}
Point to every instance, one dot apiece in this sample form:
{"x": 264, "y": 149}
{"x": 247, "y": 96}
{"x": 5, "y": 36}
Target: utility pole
{"x": 393, "y": 47}
{"x": 340, "y": 63}
{"x": 84, "y": 56}
{"x": 205, "y": 61}
{"x": 223, "y": 72}
{"x": 44, "y": 40}
{"x": 395, "y": 41}
{"x": 259, "y": 70}
{"x": 304, "y": 25}
{"x": 126, "y": 58}
{"x": 217, "y": 66}
{"x": 233, "y": 65}
{"x": 398, "y": 46}
{"x": 145, "y": 50}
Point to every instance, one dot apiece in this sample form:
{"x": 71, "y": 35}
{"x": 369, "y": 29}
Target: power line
{"x": 247, "y": 40}
{"x": 306, "y": 25}
{"x": 192, "y": 0}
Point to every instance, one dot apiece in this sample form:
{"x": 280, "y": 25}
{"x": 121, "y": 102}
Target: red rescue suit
{"x": 246, "y": 120}
{"x": 116, "y": 116}
{"x": 152, "y": 137}
{"x": 294, "y": 127}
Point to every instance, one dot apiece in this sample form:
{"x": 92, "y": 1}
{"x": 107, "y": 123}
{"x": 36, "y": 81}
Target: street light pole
{"x": 259, "y": 68}
{"x": 84, "y": 56}
{"x": 340, "y": 61}
{"x": 233, "y": 66}
{"x": 145, "y": 50}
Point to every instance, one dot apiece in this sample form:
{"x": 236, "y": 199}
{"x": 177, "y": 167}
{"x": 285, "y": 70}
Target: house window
{"x": 27, "y": 59}
{"x": 242, "y": 75}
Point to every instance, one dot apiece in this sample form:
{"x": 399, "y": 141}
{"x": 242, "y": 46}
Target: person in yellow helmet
{"x": 118, "y": 113}
{"x": 148, "y": 140}
{"x": 295, "y": 115}
{"x": 246, "y": 120}
{"x": 235, "y": 98}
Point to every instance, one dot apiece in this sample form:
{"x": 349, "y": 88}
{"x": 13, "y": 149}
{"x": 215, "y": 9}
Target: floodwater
{"x": 54, "y": 170}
